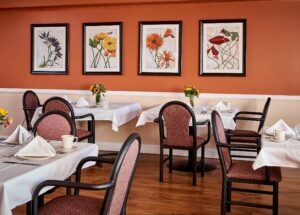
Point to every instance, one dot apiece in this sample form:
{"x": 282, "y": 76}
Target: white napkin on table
{"x": 221, "y": 106}
{"x": 280, "y": 125}
{"x": 82, "y": 102}
{"x": 67, "y": 98}
{"x": 19, "y": 136}
{"x": 38, "y": 147}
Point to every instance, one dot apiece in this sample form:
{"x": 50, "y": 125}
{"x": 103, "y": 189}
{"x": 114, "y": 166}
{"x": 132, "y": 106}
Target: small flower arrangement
{"x": 97, "y": 89}
{"x": 5, "y": 121}
{"x": 191, "y": 93}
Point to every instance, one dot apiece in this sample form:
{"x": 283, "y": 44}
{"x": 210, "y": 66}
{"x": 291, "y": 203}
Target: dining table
{"x": 274, "y": 153}
{"x": 118, "y": 113}
{"x": 19, "y": 176}
{"x": 201, "y": 113}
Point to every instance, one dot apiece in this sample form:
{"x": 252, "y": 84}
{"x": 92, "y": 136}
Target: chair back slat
{"x": 220, "y": 138}
{"x": 264, "y": 114}
{"x": 122, "y": 174}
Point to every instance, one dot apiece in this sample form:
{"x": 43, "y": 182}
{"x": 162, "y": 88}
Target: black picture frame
{"x": 160, "y": 48}
{"x": 222, "y": 49}
{"x": 50, "y": 48}
{"x": 104, "y": 38}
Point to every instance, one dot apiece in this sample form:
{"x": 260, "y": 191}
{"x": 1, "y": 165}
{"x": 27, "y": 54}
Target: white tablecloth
{"x": 281, "y": 154}
{"x": 118, "y": 113}
{"x": 17, "y": 181}
{"x": 152, "y": 113}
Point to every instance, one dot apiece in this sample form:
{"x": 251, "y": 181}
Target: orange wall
{"x": 273, "y": 46}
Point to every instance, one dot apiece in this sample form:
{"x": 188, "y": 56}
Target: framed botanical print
{"x": 102, "y": 48}
{"x": 160, "y": 48}
{"x": 223, "y": 47}
{"x": 49, "y": 48}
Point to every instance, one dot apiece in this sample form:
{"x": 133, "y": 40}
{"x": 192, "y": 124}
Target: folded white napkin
{"x": 67, "y": 98}
{"x": 82, "y": 102}
{"x": 221, "y": 106}
{"x": 19, "y": 136}
{"x": 280, "y": 125}
{"x": 38, "y": 147}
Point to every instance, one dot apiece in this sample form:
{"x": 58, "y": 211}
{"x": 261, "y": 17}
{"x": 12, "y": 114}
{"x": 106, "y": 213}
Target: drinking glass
{"x": 297, "y": 131}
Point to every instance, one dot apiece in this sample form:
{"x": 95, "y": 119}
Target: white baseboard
{"x": 154, "y": 149}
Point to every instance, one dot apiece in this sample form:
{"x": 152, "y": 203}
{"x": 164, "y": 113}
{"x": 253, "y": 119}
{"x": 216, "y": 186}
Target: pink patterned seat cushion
{"x": 72, "y": 205}
{"x": 83, "y": 134}
{"x": 244, "y": 170}
{"x": 200, "y": 142}
{"x": 243, "y": 132}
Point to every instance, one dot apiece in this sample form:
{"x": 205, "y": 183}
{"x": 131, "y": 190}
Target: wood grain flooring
{"x": 176, "y": 195}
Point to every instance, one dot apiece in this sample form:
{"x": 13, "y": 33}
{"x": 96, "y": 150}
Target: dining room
{"x": 117, "y": 65}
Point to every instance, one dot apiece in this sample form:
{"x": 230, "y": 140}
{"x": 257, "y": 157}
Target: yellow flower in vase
{"x": 97, "y": 89}
{"x": 191, "y": 93}
{"x": 5, "y": 121}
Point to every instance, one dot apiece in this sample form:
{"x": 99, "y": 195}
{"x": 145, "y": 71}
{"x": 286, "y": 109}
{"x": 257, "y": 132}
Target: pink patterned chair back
{"x": 176, "y": 120}
{"x": 57, "y": 103}
{"x": 53, "y": 124}
{"x": 30, "y": 103}
{"x": 220, "y": 138}
{"x": 124, "y": 167}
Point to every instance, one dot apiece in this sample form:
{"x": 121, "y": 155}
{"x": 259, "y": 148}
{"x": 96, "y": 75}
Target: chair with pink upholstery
{"x": 30, "y": 103}
{"x": 117, "y": 188}
{"x": 53, "y": 124}
{"x": 58, "y": 103}
{"x": 241, "y": 172}
{"x": 177, "y": 133}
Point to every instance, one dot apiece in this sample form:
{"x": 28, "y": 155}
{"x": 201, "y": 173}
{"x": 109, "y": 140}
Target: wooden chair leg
{"x": 170, "y": 160}
{"x": 228, "y": 205}
{"x": 224, "y": 197}
{"x": 194, "y": 167}
{"x": 202, "y": 160}
{"x": 28, "y": 208}
{"x": 68, "y": 190}
{"x": 275, "y": 199}
{"x": 161, "y": 164}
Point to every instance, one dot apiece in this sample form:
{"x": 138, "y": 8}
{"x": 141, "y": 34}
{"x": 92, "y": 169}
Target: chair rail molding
{"x": 153, "y": 94}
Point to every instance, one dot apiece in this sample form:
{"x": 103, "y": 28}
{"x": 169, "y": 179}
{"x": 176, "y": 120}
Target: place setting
{"x": 280, "y": 132}
{"x": 68, "y": 144}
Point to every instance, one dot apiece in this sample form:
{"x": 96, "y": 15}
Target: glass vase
{"x": 192, "y": 101}
{"x": 98, "y": 99}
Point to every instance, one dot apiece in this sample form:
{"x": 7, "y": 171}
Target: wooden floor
{"x": 176, "y": 195}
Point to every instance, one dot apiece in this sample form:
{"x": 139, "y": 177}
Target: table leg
{"x": 186, "y": 165}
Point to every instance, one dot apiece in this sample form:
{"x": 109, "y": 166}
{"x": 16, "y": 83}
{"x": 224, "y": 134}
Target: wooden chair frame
{"x": 91, "y": 123}
{"x": 26, "y": 108}
{"x": 193, "y": 149}
{"x": 227, "y": 188}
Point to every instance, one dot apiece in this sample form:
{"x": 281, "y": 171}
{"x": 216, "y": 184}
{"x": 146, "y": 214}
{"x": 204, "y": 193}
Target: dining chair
{"x": 53, "y": 124}
{"x": 30, "y": 103}
{"x": 117, "y": 188}
{"x": 248, "y": 136}
{"x": 177, "y": 133}
{"x": 241, "y": 172}
{"x": 58, "y": 103}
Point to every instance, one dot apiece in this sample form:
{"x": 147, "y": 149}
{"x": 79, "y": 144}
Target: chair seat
{"x": 83, "y": 134}
{"x": 244, "y": 170}
{"x": 200, "y": 142}
{"x": 243, "y": 139}
{"x": 72, "y": 205}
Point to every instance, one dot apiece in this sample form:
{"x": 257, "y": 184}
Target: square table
{"x": 280, "y": 154}
{"x": 117, "y": 113}
{"x": 17, "y": 181}
{"x": 227, "y": 116}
